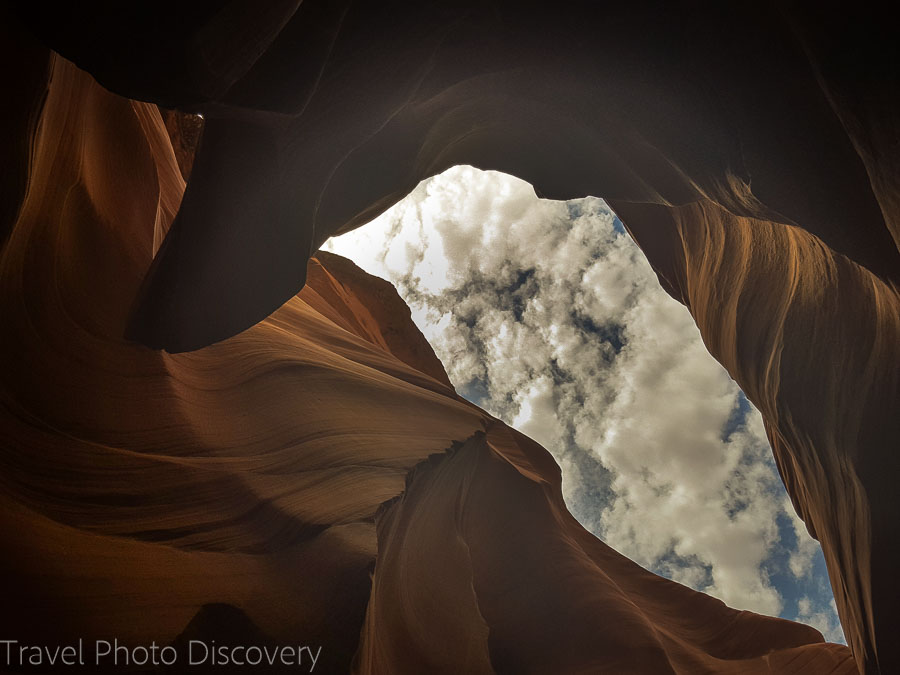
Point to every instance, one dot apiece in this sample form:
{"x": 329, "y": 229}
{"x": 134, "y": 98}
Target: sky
{"x": 547, "y": 315}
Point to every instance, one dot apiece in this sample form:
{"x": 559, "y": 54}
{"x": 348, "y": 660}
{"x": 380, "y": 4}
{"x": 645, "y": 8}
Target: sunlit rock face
{"x": 750, "y": 152}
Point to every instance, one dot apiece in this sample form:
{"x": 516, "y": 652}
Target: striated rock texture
{"x": 246, "y": 488}
{"x": 140, "y": 486}
{"x": 750, "y": 150}
{"x": 507, "y": 581}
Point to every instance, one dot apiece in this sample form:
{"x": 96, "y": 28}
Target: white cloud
{"x": 801, "y": 558}
{"x": 549, "y": 316}
{"x": 822, "y": 616}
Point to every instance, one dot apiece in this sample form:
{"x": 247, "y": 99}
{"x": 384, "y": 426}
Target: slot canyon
{"x": 214, "y": 430}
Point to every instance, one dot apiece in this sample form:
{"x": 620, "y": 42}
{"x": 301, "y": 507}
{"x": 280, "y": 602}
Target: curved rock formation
{"x": 140, "y": 486}
{"x": 251, "y": 472}
{"x": 753, "y": 162}
{"x": 505, "y": 580}
{"x": 676, "y": 102}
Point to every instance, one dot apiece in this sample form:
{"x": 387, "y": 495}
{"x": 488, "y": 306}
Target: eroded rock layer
{"x": 139, "y": 486}
{"x": 140, "y": 489}
{"x": 750, "y": 150}
{"x": 481, "y": 569}
{"x": 821, "y": 367}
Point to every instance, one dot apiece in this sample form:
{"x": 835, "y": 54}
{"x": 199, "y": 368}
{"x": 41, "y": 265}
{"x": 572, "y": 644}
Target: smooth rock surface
{"x": 750, "y": 150}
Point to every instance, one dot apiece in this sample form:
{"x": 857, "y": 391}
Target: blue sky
{"x": 547, "y": 315}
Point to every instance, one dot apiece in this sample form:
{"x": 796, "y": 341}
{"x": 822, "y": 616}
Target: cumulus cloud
{"x": 821, "y": 616}
{"x": 548, "y": 315}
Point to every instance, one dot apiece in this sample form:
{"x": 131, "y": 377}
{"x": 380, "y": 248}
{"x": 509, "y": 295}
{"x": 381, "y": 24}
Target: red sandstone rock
{"x": 751, "y": 158}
